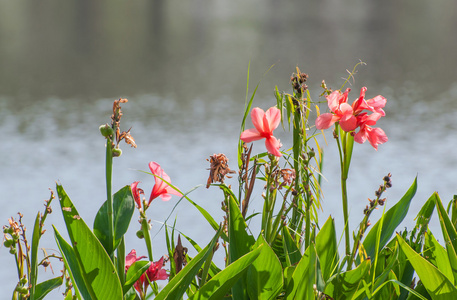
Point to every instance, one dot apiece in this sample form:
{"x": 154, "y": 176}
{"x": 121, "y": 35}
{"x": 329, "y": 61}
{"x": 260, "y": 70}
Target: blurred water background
{"x": 183, "y": 66}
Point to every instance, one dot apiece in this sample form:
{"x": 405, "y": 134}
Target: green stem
{"x": 344, "y": 196}
{"x": 109, "y": 195}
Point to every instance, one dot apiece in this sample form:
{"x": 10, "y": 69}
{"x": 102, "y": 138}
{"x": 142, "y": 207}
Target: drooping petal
{"x": 348, "y": 123}
{"x": 333, "y": 100}
{"x": 361, "y": 136}
{"x": 326, "y": 120}
{"x": 377, "y": 103}
{"x": 272, "y": 119}
{"x": 376, "y": 137}
{"x": 257, "y": 115}
{"x": 250, "y": 135}
{"x": 136, "y": 193}
{"x": 272, "y": 144}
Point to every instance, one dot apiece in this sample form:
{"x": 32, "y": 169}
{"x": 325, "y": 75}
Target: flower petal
{"x": 273, "y": 118}
{"x": 326, "y": 120}
{"x": 257, "y": 115}
{"x": 273, "y": 146}
{"x": 250, "y": 135}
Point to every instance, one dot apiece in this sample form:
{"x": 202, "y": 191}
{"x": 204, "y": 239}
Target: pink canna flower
{"x": 375, "y": 136}
{"x": 161, "y": 188}
{"x": 342, "y": 112}
{"x": 154, "y": 272}
{"x": 264, "y": 123}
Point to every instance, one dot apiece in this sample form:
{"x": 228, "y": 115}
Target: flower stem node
{"x": 106, "y": 130}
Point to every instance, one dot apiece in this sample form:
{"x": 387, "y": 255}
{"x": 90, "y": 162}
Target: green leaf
{"x": 264, "y": 277}
{"x": 221, "y": 283}
{"x": 134, "y": 273}
{"x": 34, "y": 255}
{"x": 437, "y": 284}
{"x": 300, "y": 286}
{"x": 345, "y": 285}
{"x": 240, "y": 243}
{"x": 392, "y": 218}
{"x": 178, "y": 285}
{"x": 96, "y": 268}
{"x": 123, "y": 208}
{"x": 327, "y": 248}
{"x": 291, "y": 251}
{"x": 43, "y": 288}
{"x": 437, "y": 256}
{"x": 72, "y": 266}
{"x": 449, "y": 235}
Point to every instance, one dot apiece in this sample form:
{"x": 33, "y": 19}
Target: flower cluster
{"x": 351, "y": 117}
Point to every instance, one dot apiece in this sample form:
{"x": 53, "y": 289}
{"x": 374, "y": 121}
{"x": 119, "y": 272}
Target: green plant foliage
{"x": 437, "y": 256}
{"x": 291, "y": 251}
{"x": 264, "y": 277}
{"x": 449, "y": 234}
{"x": 327, "y": 249}
{"x": 300, "y": 285}
{"x": 345, "y": 285}
{"x": 394, "y": 216}
{"x": 34, "y": 254}
{"x": 43, "y": 288}
{"x": 123, "y": 208}
{"x": 96, "y": 268}
{"x": 221, "y": 283}
{"x": 177, "y": 286}
{"x": 134, "y": 273}
{"x": 437, "y": 284}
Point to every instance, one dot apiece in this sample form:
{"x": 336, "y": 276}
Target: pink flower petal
{"x": 326, "y": 120}
{"x": 272, "y": 119}
{"x": 257, "y": 115}
{"x": 273, "y": 145}
{"x": 250, "y": 135}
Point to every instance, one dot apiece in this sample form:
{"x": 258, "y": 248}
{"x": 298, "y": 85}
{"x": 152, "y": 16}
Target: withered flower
{"x": 219, "y": 169}
{"x": 128, "y": 138}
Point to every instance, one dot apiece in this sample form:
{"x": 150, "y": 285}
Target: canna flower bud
{"x": 106, "y": 130}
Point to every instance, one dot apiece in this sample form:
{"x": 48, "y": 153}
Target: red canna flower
{"x": 264, "y": 123}
{"x": 161, "y": 188}
{"x": 154, "y": 272}
{"x": 136, "y": 193}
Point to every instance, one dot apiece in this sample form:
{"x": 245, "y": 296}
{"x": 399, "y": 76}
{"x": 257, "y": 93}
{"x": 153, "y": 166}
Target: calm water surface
{"x": 183, "y": 67}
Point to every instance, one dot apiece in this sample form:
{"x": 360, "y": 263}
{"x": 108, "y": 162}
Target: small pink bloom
{"x": 342, "y": 112}
{"x": 161, "y": 188}
{"x": 264, "y": 123}
{"x": 131, "y": 258}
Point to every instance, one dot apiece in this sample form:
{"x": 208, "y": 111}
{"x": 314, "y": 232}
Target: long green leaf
{"x": 449, "y": 235}
{"x": 43, "y": 288}
{"x": 344, "y": 285}
{"x": 97, "y": 270}
{"x": 123, "y": 208}
{"x": 436, "y": 283}
{"x": 327, "y": 248}
{"x": 240, "y": 243}
{"x": 291, "y": 250}
{"x": 437, "y": 255}
{"x": 300, "y": 286}
{"x": 178, "y": 285}
{"x": 72, "y": 266}
{"x": 221, "y": 283}
{"x": 393, "y": 217}
{"x": 34, "y": 255}
{"x": 264, "y": 277}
